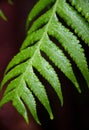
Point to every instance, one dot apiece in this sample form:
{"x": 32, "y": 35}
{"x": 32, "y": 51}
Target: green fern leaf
{"x": 74, "y": 19}
{"x": 24, "y": 75}
{"x": 14, "y": 94}
{"x": 41, "y": 5}
{"x": 82, "y": 6}
{"x": 23, "y": 82}
{"x": 71, "y": 44}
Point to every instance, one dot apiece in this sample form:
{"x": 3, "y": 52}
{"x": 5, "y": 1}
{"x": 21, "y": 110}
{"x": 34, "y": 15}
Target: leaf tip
{"x": 51, "y": 116}
{"x": 38, "y": 122}
{"x": 77, "y": 86}
{"x": 26, "y": 119}
{"x": 62, "y": 103}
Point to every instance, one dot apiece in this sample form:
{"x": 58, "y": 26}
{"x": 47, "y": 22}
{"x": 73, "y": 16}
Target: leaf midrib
{"x": 30, "y": 61}
{"x": 42, "y": 39}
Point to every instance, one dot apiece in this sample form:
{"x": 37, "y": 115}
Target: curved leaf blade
{"x": 49, "y": 74}
{"x": 71, "y": 44}
{"x": 56, "y": 55}
{"x": 82, "y": 6}
{"x": 38, "y": 89}
{"x": 41, "y": 5}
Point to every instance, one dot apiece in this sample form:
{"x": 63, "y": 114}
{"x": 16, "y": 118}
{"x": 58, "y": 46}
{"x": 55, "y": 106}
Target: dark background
{"x": 74, "y": 115}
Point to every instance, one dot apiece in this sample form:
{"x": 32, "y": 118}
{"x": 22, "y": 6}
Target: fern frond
{"x": 17, "y": 92}
{"x": 24, "y": 73}
{"x": 71, "y": 44}
{"x": 23, "y": 82}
